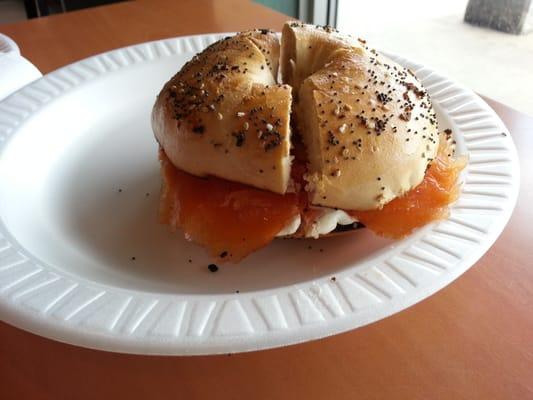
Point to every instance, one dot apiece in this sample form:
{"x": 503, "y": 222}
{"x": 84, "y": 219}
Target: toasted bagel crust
{"x": 367, "y": 123}
{"x": 223, "y": 114}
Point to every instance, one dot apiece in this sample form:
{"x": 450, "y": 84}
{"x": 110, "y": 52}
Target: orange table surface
{"x": 471, "y": 340}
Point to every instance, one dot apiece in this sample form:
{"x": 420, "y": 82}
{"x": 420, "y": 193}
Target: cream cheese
{"x": 328, "y": 221}
{"x": 291, "y": 227}
{"x": 324, "y": 224}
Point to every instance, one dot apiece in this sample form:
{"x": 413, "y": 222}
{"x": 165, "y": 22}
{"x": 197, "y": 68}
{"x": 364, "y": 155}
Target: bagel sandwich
{"x": 299, "y": 138}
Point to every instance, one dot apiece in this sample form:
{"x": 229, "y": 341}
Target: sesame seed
{"x": 220, "y": 116}
{"x": 240, "y": 114}
{"x": 342, "y": 128}
{"x": 269, "y": 127}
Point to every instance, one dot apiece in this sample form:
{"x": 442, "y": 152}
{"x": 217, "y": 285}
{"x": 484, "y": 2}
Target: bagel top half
{"x": 223, "y": 114}
{"x": 367, "y": 124}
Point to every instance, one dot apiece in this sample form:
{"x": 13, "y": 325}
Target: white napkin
{"x": 15, "y": 70}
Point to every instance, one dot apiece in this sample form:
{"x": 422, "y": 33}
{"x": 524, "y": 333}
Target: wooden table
{"x": 472, "y": 340}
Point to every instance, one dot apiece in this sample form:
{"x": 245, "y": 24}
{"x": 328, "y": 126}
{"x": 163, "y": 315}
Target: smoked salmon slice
{"x": 230, "y": 219}
{"x": 427, "y": 202}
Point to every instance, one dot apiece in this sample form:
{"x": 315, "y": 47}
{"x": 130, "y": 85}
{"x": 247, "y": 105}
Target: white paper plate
{"x": 79, "y": 188}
